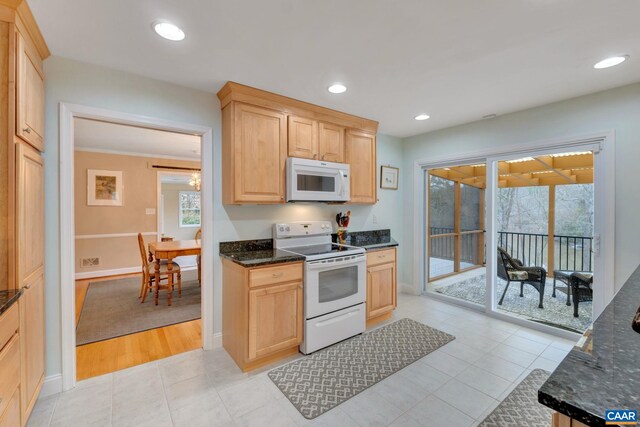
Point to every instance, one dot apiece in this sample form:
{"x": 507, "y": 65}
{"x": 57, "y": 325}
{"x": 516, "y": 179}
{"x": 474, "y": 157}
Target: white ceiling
{"x": 110, "y": 137}
{"x": 456, "y": 60}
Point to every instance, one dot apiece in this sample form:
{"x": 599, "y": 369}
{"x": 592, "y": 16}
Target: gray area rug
{"x": 329, "y": 377}
{"x": 555, "y": 311}
{"x": 521, "y": 407}
{"x": 111, "y": 308}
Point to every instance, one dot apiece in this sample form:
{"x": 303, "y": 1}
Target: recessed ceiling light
{"x": 337, "y": 88}
{"x": 610, "y": 62}
{"x": 422, "y": 117}
{"x": 168, "y": 31}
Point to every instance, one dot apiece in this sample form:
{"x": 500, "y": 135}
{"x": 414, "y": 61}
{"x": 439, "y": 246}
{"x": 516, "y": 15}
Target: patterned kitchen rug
{"x": 521, "y": 407}
{"x": 329, "y": 377}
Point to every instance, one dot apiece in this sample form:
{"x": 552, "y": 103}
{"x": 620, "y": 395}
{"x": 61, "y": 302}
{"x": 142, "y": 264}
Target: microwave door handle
{"x": 342, "y": 184}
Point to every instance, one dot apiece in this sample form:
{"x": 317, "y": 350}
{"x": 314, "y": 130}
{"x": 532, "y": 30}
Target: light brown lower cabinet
{"x": 382, "y": 287}
{"x": 263, "y": 312}
{"x": 10, "y": 368}
{"x": 561, "y": 420}
{"x": 32, "y": 332}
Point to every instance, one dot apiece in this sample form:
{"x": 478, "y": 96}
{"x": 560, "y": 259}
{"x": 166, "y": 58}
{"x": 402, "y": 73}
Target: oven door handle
{"x": 319, "y": 265}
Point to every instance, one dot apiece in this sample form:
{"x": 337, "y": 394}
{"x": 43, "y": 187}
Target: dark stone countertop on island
{"x": 603, "y": 370}
{"x": 255, "y": 253}
{"x": 370, "y": 240}
{"x": 8, "y": 298}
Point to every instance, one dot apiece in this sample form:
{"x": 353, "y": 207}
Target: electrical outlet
{"x": 90, "y": 262}
{"x": 375, "y": 219}
{"x": 150, "y": 211}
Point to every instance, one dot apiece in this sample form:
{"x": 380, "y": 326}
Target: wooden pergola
{"x": 548, "y": 170}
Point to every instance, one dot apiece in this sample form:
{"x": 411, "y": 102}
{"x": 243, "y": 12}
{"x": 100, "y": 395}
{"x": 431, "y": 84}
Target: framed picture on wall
{"x": 104, "y": 188}
{"x": 389, "y": 177}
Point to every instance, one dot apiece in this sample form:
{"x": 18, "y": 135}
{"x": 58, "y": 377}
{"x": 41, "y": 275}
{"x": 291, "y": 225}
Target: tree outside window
{"x": 189, "y": 208}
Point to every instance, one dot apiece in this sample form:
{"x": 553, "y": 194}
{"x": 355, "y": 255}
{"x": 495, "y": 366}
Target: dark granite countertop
{"x": 255, "y": 253}
{"x": 603, "y": 370}
{"x": 8, "y": 298}
{"x": 370, "y": 240}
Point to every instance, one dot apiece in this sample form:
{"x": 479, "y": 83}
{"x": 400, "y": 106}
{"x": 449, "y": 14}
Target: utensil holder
{"x": 342, "y": 235}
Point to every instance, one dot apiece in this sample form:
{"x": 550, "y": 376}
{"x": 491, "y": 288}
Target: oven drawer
{"x": 331, "y": 328}
{"x": 272, "y": 275}
{"x": 382, "y": 256}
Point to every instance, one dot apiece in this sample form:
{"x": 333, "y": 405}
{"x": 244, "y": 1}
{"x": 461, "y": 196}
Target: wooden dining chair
{"x": 149, "y": 272}
{"x": 199, "y": 237}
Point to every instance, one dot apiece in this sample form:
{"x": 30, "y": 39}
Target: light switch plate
{"x": 151, "y": 211}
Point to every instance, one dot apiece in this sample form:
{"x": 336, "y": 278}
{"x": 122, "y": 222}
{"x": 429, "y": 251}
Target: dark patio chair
{"x": 579, "y": 287}
{"x": 512, "y": 270}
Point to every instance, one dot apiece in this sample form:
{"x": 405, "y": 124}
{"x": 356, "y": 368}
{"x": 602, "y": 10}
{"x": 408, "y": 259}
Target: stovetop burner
{"x": 328, "y": 248}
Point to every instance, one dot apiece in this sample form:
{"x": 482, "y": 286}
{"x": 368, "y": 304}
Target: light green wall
{"x": 616, "y": 109}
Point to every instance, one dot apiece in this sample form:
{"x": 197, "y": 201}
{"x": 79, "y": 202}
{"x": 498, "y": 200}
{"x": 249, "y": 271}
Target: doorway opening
{"x": 123, "y": 234}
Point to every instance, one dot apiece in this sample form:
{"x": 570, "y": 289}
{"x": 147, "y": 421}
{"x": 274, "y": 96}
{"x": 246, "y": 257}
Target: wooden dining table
{"x": 170, "y": 250}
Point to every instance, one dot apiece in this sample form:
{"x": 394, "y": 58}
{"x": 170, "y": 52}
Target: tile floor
{"x": 457, "y": 385}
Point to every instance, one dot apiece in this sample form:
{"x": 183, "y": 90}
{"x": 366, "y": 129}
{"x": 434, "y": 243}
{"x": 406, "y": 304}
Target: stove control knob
{"x": 288, "y": 228}
{"x": 280, "y": 228}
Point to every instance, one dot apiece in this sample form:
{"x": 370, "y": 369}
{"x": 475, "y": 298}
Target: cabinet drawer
{"x": 9, "y": 322}
{"x": 11, "y": 416}
{"x": 272, "y": 275}
{"x": 381, "y": 256}
{"x": 9, "y": 371}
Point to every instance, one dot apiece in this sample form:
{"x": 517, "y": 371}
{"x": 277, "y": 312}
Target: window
{"x": 189, "y": 208}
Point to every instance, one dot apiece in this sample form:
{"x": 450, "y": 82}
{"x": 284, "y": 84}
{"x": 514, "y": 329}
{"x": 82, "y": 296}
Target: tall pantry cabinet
{"x": 22, "y": 125}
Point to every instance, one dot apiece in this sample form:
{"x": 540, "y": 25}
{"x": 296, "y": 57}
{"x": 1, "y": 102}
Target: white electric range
{"x": 335, "y": 283}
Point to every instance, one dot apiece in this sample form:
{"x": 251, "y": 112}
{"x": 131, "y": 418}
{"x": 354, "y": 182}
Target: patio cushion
{"x": 517, "y": 275}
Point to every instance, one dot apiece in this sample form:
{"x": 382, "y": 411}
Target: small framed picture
{"x": 389, "y": 177}
{"x": 104, "y": 188}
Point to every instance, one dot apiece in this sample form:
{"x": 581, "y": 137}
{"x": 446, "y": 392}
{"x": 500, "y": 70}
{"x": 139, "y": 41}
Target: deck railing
{"x": 570, "y": 252}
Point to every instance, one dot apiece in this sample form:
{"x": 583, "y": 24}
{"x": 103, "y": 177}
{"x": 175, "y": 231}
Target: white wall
{"x": 172, "y": 212}
{"x": 80, "y": 83}
{"x": 616, "y": 109}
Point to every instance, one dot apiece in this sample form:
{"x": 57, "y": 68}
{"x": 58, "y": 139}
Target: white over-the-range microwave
{"x": 317, "y": 181}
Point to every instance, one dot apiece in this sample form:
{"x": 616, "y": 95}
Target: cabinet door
{"x": 303, "y": 138}
{"x": 30, "y": 95}
{"x": 260, "y": 155}
{"x": 11, "y": 416}
{"x": 381, "y": 289}
{"x": 331, "y": 142}
{"x": 30, "y": 224}
{"x": 32, "y": 341}
{"x": 275, "y": 319}
{"x": 360, "y": 151}
{"x": 30, "y": 212}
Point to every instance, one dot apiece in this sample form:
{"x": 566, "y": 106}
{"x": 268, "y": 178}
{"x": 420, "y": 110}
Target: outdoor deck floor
{"x": 471, "y": 286}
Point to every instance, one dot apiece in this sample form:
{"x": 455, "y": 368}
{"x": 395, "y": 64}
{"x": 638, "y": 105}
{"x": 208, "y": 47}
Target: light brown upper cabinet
{"x": 360, "y": 153}
{"x": 261, "y": 129}
{"x": 303, "y": 138}
{"x": 254, "y": 151}
{"x": 29, "y": 95}
{"x": 331, "y": 142}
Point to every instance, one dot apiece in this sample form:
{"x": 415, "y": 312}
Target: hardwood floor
{"x": 119, "y": 353}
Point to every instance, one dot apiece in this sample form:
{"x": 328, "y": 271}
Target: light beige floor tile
{"x": 242, "y": 398}
{"x": 426, "y": 376}
{"x": 464, "y": 398}
{"x": 525, "y": 344}
{"x": 514, "y": 355}
{"x": 483, "y": 381}
{"x": 444, "y": 362}
{"x": 433, "y": 411}
{"x": 370, "y": 409}
{"x": 500, "y": 367}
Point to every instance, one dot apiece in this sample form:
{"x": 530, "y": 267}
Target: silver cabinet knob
{"x": 27, "y": 130}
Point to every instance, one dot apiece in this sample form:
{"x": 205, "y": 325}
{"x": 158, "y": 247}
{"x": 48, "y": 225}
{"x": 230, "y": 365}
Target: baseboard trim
{"x": 104, "y": 273}
{"x": 407, "y": 288}
{"x": 51, "y": 385}
{"x": 217, "y": 340}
